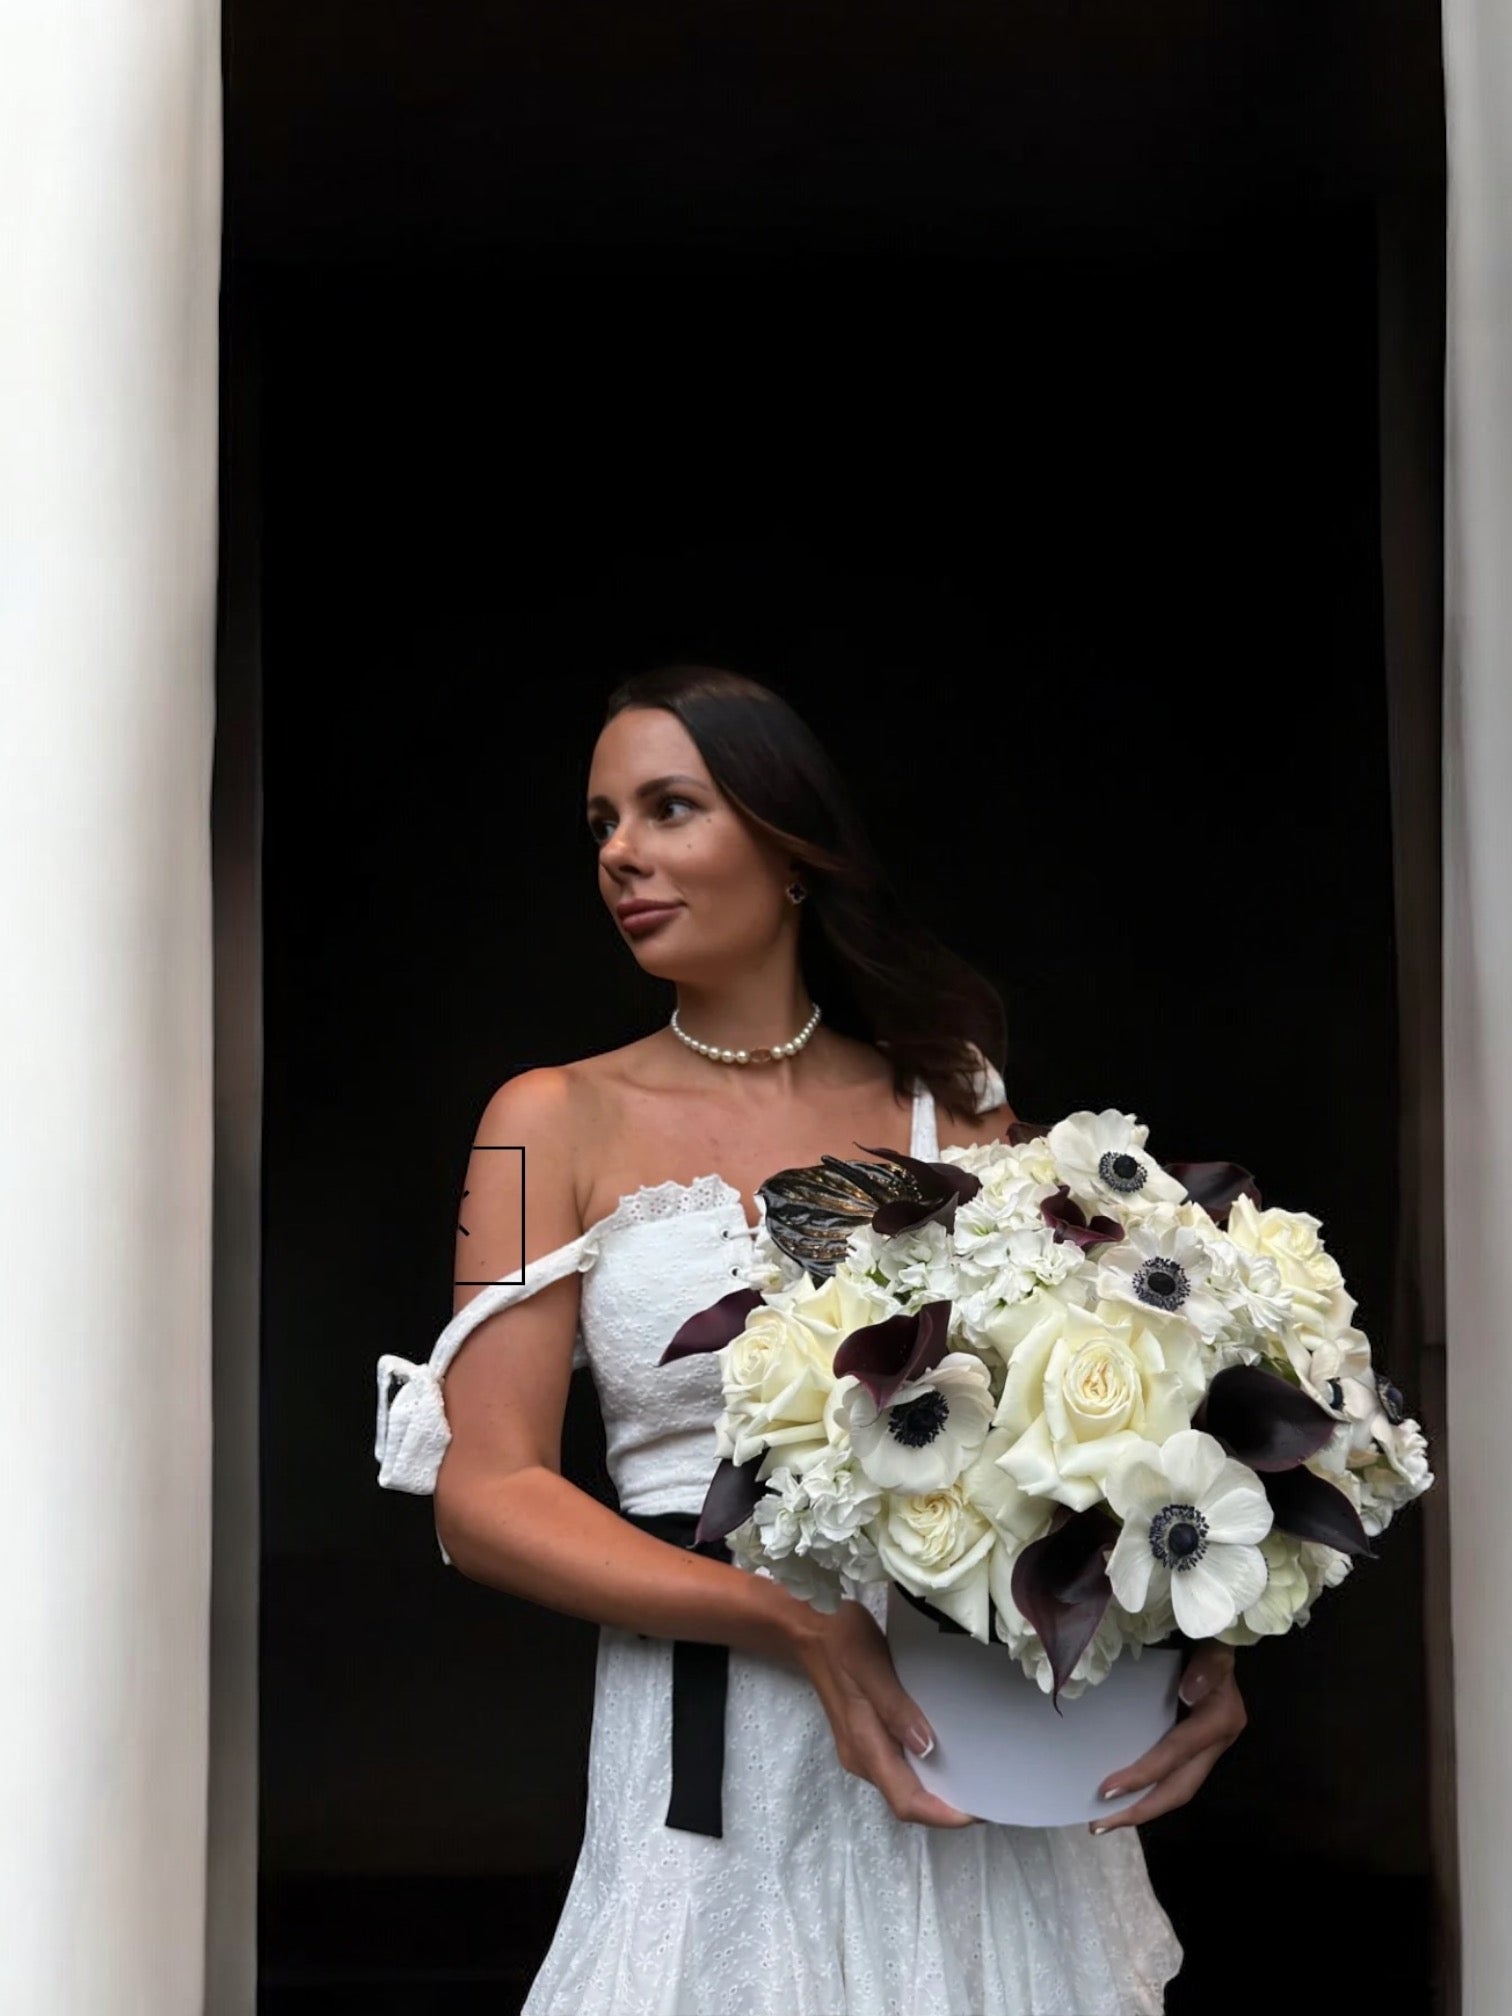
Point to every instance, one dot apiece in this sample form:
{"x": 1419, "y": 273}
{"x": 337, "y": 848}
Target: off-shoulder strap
{"x": 413, "y": 1431}
{"x": 991, "y": 1091}
{"x": 924, "y": 1138}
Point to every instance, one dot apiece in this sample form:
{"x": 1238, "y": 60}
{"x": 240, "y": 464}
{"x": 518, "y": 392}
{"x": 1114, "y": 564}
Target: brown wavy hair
{"x": 880, "y": 974}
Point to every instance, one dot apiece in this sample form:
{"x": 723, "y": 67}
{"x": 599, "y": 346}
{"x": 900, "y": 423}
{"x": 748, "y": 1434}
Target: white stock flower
{"x": 931, "y": 1430}
{"x": 1102, "y": 1159}
{"x": 763, "y": 1265}
{"x": 1083, "y": 1390}
{"x": 1400, "y": 1475}
{"x": 816, "y": 1514}
{"x": 1193, "y": 1520}
{"x": 1011, "y": 1267}
{"x": 938, "y": 1544}
{"x": 1002, "y": 1168}
{"x": 799, "y": 1573}
{"x": 915, "y": 1267}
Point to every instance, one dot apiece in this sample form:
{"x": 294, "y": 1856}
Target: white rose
{"x": 1082, "y": 1389}
{"x": 832, "y": 1309}
{"x": 1306, "y": 1267}
{"x": 776, "y": 1381}
{"x": 937, "y": 1544}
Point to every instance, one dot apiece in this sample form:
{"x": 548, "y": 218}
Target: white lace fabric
{"x": 815, "y": 1901}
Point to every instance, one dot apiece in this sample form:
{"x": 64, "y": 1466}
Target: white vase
{"x": 1001, "y": 1751}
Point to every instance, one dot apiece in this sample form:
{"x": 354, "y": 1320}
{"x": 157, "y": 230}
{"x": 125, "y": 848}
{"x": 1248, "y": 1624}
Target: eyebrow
{"x": 649, "y": 789}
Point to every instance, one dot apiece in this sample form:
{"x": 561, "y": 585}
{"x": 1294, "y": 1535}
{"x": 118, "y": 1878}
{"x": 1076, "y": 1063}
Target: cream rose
{"x": 776, "y": 1381}
{"x": 1083, "y": 1387}
{"x": 938, "y": 1544}
{"x": 1290, "y": 1239}
{"x": 832, "y": 1309}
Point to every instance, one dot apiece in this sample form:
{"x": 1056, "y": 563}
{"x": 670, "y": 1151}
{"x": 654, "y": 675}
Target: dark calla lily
{"x": 1310, "y": 1508}
{"x": 1070, "y": 1223}
{"x": 937, "y": 1189}
{"x": 1061, "y": 1585}
{"x": 729, "y": 1500}
{"x": 1215, "y": 1185}
{"x": 1263, "y": 1420}
{"x": 887, "y": 1355}
{"x": 712, "y": 1328}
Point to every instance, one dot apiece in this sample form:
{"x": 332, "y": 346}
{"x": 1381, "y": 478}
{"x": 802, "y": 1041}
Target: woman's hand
{"x": 1179, "y": 1763}
{"x": 845, "y": 1655}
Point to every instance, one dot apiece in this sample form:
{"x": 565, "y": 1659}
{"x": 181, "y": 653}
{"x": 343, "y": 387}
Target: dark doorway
{"x": 1028, "y": 441}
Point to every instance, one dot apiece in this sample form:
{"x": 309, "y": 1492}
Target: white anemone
{"x": 1163, "y": 1270}
{"x": 1103, "y": 1160}
{"x": 932, "y": 1430}
{"x": 1193, "y": 1520}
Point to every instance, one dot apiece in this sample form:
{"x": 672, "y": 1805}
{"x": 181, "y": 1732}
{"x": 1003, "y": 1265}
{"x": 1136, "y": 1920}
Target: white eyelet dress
{"x": 815, "y": 1901}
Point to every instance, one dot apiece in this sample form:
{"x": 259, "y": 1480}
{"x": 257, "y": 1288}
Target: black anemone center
{"x": 1336, "y": 1396}
{"x": 917, "y": 1422}
{"x": 1178, "y": 1537}
{"x": 1122, "y": 1172}
{"x": 1391, "y": 1400}
{"x": 1162, "y": 1283}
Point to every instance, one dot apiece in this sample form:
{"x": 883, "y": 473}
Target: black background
{"x": 1007, "y": 397}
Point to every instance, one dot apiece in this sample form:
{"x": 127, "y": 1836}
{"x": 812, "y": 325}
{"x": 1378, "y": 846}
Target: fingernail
{"x": 1192, "y": 1689}
{"x": 1100, "y": 1826}
{"x": 1115, "y": 1792}
{"x": 920, "y": 1740}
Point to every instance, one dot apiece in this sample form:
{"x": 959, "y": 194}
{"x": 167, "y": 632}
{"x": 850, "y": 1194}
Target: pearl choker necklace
{"x": 769, "y": 1056}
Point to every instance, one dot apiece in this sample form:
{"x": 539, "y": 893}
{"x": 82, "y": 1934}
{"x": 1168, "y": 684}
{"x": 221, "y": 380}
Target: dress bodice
{"x": 664, "y": 1252}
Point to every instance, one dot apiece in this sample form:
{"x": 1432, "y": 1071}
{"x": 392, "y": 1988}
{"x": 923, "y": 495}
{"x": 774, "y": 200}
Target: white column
{"x": 1478, "y": 969}
{"x": 110, "y": 189}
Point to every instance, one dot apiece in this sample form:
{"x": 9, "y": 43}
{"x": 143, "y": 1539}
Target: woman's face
{"x": 667, "y": 837}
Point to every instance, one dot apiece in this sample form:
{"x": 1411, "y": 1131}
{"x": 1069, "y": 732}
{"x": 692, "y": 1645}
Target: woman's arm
{"x": 508, "y": 1518}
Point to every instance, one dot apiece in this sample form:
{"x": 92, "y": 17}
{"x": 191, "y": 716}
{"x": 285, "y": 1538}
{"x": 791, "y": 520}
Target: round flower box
{"x": 1001, "y": 1751}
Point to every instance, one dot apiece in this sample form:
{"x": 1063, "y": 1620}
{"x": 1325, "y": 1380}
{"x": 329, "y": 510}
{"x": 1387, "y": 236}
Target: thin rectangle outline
{"x": 503, "y": 1148}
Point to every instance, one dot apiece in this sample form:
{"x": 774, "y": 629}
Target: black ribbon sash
{"x": 700, "y": 1683}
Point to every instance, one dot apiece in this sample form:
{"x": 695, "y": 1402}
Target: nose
{"x": 618, "y": 854}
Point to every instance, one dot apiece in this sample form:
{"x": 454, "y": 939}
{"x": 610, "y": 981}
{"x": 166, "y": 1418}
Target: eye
{"x": 672, "y": 799}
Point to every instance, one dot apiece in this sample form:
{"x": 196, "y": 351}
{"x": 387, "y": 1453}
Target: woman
{"x": 829, "y": 1882}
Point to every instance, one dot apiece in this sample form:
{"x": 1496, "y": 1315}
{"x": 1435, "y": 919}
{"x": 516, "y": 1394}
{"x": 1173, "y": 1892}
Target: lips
{"x": 641, "y": 917}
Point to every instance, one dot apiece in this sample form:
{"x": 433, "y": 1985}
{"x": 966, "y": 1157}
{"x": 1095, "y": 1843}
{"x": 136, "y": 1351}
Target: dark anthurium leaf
{"x": 1263, "y": 1419}
{"x": 1215, "y": 1185}
{"x": 729, "y": 1500}
{"x": 811, "y": 1212}
{"x": 1070, "y": 1223}
{"x": 938, "y": 1188}
{"x": 887, "y": 1355}
{"x": 1020, "y": 1131}
{"x": 1310, "y": 1508}
{"x": 712, "y": 1328}
{"x": 1061, "y": 1585}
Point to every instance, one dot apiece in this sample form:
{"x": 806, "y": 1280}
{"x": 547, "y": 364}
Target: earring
{"x": 796, "y": 891}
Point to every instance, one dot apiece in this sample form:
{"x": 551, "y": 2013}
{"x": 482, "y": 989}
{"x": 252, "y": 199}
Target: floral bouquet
{"x": 1063, "y": 1398}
